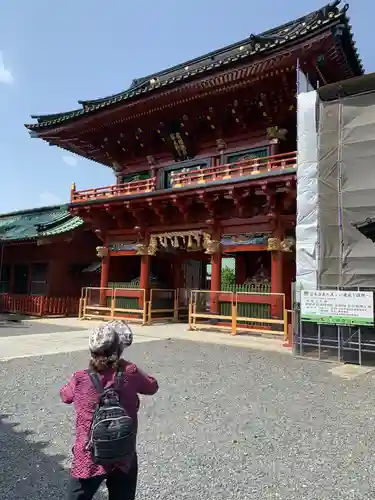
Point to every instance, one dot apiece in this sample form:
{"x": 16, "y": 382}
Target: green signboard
{"x": 337, "y": 307}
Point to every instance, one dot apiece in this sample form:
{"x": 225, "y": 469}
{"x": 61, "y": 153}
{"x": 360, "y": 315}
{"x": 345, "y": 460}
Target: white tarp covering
{"x": 307, "y": 192}
{"x": 346, "y": 185}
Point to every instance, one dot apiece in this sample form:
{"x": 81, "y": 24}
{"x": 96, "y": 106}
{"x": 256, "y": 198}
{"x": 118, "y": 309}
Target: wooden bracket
{"x": 117, "y": 215}
{"x": 183, "y": 206}
{"x": 238, "y": 201}
{"x": 271, "y": 200}
{"x": 209, "y": 203}
{"x": 159, "y": 209}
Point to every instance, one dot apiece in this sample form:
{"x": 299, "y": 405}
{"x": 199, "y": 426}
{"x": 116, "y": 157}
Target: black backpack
{"x": 113, "y": 432}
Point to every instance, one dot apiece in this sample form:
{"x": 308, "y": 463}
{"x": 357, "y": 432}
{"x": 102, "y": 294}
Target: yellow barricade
{"x": 163, "y": 305}
{"x": 114, "y": 303}
{"x": 260, "y": 313}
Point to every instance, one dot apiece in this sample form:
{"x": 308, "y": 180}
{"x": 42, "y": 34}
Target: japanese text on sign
{"x": 338, "y": 307}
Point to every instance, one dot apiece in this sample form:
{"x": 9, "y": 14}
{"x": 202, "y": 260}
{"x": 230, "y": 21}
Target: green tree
{"x": 228, "y": 278}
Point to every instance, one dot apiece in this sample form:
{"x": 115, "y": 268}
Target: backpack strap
{"x": 118, "y": 379}
{"x": 96, "y": 381}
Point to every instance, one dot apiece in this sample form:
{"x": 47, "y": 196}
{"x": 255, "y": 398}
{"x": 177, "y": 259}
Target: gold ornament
{"x": 211, "y": 246}
{"x": 273, "y": 244}
{"x": 102, "y": 252}
{"x": 153, "y": 246}
{"x": 142, "y": 249}
{"x": 286, "y": 245}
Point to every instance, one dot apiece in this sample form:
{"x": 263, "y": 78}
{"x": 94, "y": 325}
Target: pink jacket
{"x": 81, "y": 392}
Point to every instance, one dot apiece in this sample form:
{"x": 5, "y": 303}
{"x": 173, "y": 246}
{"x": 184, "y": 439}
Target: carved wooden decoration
{"x": 211, "y": 246}
{"x": 287, "y": 245}
{"x": 102, "y": 252}
{"x": 273, "y": 244}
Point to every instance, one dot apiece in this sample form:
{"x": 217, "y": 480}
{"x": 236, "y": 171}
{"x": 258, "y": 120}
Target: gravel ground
{"x": 227, "y": 424}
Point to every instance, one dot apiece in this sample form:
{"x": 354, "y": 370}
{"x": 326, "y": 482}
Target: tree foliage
{"x": 228, "y": 277}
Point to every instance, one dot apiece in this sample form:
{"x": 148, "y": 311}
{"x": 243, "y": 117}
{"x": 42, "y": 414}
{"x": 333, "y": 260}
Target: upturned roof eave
{"x": 46, "y": 122}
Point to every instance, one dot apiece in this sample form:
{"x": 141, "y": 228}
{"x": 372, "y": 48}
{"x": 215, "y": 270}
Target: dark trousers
{"x": 121, "y": 485}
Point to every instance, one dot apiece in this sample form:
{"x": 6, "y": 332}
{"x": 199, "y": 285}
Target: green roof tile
{"x": 37, "y": 223}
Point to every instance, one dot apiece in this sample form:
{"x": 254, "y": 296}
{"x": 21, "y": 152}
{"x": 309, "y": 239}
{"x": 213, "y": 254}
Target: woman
{"x": 106, "y": 344}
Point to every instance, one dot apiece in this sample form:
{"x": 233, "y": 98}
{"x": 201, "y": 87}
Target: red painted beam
{"x": 122, "y": 253}
{"x": 244, "y": 248}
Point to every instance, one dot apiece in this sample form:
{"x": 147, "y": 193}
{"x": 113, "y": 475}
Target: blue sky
{"x": 55, "y": 53}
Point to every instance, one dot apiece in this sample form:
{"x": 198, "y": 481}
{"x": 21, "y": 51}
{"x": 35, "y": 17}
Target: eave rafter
{"x": 97, "y": 218}
{"x": 289, "y": 197}
{"x": 140, "y": 214}
{"x": 159, "y": 209}
{"x": 269, "y": 192}
{"x": 183, "y": 205}
{"x": 209, "y": 202}
{"x": 239, "y": 200}
{"x": 117, "y": 214}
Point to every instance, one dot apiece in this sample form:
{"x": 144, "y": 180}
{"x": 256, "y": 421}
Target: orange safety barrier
{"x": 163, "y": 305}
{"x": 114, "y": 303}
{"x": 233, "y": 310}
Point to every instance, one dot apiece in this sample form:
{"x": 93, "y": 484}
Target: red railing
{"x": 37, "y": 305}
{"x": 130, "y": 188}
{"x": 252, "y": 166}
{"x": 244, "y": 168}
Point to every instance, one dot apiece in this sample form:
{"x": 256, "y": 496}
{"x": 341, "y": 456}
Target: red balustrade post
{"x": 104, "y": 277}
{"x": 277, "y": 273}
{"x": 41, "y": 306}
{"x": 73, "y": 192}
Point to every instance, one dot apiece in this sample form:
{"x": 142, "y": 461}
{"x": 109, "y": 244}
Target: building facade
{"x": 46, "y": 257}
{"x": 205, "y": 159}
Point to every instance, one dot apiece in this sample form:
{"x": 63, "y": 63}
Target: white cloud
{"x": 5, "y": 74}
{"x": 47, "y": 199}
{"x": 70, "y": 160}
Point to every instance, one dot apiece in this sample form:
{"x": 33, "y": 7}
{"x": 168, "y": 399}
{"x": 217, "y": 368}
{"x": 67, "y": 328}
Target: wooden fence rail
{"x": 38, "y": 305}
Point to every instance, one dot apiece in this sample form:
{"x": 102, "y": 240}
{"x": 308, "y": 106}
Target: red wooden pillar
{"x": 104, "y": 278}
{"x": 215, "y": 282}
{"x": 277, "y": 271}
{"x": 178, "y": 280}
{"x": 144, "y": 282}
{"x": 277, "y": 275}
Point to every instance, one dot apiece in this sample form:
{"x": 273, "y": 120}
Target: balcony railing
{"x": 128, "y": 189}
{"x": 244, "y": 168}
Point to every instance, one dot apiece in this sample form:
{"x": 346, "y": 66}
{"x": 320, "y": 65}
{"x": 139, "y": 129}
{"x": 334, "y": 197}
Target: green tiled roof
{"x": 37, "y": 223}
{"x": 326, "y": 18}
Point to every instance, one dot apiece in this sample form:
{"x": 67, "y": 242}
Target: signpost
{"x": 337, "y": 307}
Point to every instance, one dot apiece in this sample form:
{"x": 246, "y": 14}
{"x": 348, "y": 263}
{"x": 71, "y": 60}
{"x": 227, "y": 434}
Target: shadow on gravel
{"x": 26, "y": 471}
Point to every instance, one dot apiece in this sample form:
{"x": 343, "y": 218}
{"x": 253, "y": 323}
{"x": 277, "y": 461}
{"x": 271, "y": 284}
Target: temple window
{"x": 169, "y": 172}
{"x": 247, "y": 154}
{"x": 135, "y": 176}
